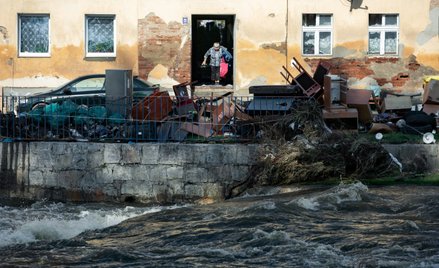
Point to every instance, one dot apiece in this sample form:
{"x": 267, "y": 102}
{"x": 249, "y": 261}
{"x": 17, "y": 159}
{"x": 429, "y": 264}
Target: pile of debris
{"x": 312, "y": 152}
{"x": 326, "y": 100}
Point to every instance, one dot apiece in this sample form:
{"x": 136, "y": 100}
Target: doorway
{"x": 207, "y": 29}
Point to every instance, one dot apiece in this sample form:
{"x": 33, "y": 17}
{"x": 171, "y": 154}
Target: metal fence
{"x": 159, "y": 118}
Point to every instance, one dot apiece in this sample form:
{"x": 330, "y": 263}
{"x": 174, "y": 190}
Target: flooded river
{"x": 307, "y": 226}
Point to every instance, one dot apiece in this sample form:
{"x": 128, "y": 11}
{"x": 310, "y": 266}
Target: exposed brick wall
{"x": 360, "y": 68}
{"x": 160, "y": 43}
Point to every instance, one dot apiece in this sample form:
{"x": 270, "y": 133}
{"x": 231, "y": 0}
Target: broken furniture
{"x": 360, "y": 99}
{"x": 396, "y": 104}
{"x": 431, "y": 97}
{"x": 338, "y": 114}
{"x": 212, "y": 117}
{"x": 274, "y": 99}
{"x": 184, "y": 98}
{"x": 311, "y": 85}
{"x": 155, "y": 107}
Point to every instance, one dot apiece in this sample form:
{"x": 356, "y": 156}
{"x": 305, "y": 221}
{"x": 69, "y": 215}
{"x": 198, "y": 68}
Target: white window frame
{"x": 33, "y": 54}
{"x": 100, "y": 54}
{"x": 382, "y": 30}
{"x": 317, "y": 30}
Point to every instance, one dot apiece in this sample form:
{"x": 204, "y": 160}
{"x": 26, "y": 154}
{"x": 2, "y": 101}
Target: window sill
{"x": 382, "y": 55}
{"x": 100, "y": 58}
{"x": 34, "y": 55}
{"x": 317, "y": 56}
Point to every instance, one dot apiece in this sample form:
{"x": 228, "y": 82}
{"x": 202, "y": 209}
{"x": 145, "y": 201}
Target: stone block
{"x": 137, "y": 187}
{"x": 196, "y": 174}
{"x": 130, "y": 154}
{"x": 150, "y": 153}
{"x": 214, "y": 155}
{"x": 112, "y": 153}
{"x": 194, "y": 191}
{"x": 95, "y": 159}
{"x": 61, "y": 148}
{"x": 246, "y": 154}
{"x": 168, "y": 153}
{"x": 230, "y": 153}
{"x": 104, "y": 174}
{"x": 158, "y": 174}
{"x": 174, "y": 173}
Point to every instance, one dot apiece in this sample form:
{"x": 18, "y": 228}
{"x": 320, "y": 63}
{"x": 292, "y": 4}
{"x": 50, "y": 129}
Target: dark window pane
{"x": 375, "y": 20}
{"x": 392, "y": 20}
{"x": 309, "y": 20}
{"x": 325, "y": 20}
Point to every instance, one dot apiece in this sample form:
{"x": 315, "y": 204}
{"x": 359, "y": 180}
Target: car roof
{"x": 82, "y": 77}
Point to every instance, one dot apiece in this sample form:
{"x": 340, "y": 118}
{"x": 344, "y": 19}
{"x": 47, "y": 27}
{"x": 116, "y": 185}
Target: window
{"x": 33, "y": 35}
{"x": 383, "y": 34}
{"x": 317, "y": 34}
{"x": 100, "y": 36}
{"x": 88, "y": 84}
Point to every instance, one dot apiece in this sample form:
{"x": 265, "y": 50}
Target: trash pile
{"x": 316, "y": 104}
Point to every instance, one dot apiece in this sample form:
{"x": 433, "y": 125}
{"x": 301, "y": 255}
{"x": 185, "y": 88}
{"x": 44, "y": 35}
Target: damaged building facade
{"x": 393, "y": 44}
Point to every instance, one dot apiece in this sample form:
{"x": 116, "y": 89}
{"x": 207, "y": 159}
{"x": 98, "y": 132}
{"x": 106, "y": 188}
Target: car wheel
{"x": 39, "y": 105}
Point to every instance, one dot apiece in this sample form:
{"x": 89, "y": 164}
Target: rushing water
{"x": 344, "y": 226}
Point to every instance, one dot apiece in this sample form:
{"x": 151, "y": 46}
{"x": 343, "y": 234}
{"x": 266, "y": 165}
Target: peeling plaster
{"x": 280, "y": 46}
{"x": 340, "y": 51}
{"x": 431, "y": 30}
{"x": 434, "y": 3}
{"x": 159, "y": 75}
{"x": 4, "y": 35}
{"x": 165, "y": 44}
{"x": 260, "y": 80}
{"x": 390, "y": 70}
{"x": 67, "y": 62}
{"x": 368, "y": 83}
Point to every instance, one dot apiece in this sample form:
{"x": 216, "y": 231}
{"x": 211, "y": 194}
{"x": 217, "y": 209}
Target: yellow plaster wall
{"x": 67, "y": 37}
{"x": 260, "y": 26}
{"x": 350, "y": 28}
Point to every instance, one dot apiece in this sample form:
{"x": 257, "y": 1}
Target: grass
{"x": 396, "y": 138}
{"x": 422, "y": 179}
{"x": 431, "y": 179}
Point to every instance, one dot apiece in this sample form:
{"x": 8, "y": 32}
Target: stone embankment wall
{"x": 148, "y": 172}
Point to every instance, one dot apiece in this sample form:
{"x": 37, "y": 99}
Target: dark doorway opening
{"x": 207, "y": 29}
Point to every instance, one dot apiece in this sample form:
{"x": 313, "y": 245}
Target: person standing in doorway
{"x": 216, "y": 53}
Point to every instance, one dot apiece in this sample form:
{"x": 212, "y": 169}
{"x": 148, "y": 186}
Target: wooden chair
{"x": 311, "y": 85}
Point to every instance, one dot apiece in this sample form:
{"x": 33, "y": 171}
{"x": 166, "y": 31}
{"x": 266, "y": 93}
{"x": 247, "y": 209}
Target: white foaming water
{"x": 59, "y": 221}
{"x": 337, "y": 195}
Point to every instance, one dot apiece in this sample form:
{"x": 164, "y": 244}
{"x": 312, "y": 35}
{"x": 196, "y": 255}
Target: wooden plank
{"x": 204, "y": 130}
{"x": 397, "y": 103}
{"x": 358, "y": 96}
{"x": 340, "y": 113}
